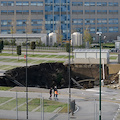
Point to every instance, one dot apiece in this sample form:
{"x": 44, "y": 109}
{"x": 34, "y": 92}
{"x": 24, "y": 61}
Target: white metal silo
{"x": 52, "y": 39}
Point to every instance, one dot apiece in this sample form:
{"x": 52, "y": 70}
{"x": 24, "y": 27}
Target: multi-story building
{"x": 63, "y": 16}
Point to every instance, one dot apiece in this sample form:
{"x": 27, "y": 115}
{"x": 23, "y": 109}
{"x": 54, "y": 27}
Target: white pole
{"x": 17, "y": 105}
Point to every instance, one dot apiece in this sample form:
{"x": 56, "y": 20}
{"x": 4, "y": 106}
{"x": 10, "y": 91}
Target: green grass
{"x": 49, "y": 106}
{"x": 4, "y": 99}
{"x": 12, "y": 104}
{"x": 5, "y": 88}
{"x": 113, "y": 57}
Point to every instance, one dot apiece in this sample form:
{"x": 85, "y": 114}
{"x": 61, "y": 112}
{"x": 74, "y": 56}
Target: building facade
{"x": 63, "y": 16}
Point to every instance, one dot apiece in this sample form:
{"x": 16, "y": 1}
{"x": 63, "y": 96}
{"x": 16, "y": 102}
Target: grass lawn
{"x": 49, "y": 106}
{"x": 12, "y": 104}
{"x": 5, "y": 88}
{"x": 4, "y": 99}
{"x": 113, "y": 57}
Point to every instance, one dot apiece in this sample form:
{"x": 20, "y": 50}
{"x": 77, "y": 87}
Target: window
{"x": 21, "y": 22}
{"x": 92, "y": 30}
{"x": 113, "y": 29}
{"x": 20, "y": 31}
{"x": 77, "y": 11}
{"x": 89, "y": 11}
{"x": 89, "y": 21}
{"x": 77, "y": 3}
{"x": 113, "y": 20}
{"x": 36, "y": 3}
{"x": 5, "y": 23}
{"x": 102, "y": 29}
{"x": 113, "y": 11}
{"x": 20, "y": 3}
{"x": 77, "y": 21}
{"x": 10, "y": 12}
{"x": 35, "y": 22}
{"x": 22, "y": 11}
{"x": 7, "y": 3}
{"x": 101, "y": 11}
{"x": 102, "y": 21}
{"x": 3, "y": 12}
{"x": 89, "y": 4}
{"x": 101, "y": 3}
{"x": 5, "y": 31}
{"x": 37, "y": 30}
{"x": 36, "y": 11}
{"x": 113, "y": 3}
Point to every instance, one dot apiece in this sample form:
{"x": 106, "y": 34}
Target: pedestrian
{"x": 50, "y": 93}
{"x": 55, "y": 93}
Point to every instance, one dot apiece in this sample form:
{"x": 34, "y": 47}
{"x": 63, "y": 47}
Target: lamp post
{"x": 99, "y": 34}
{"x": 26, "y": 77}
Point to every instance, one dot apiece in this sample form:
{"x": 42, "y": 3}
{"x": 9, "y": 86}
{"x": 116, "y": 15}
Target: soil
{"x": 48, "y": 75}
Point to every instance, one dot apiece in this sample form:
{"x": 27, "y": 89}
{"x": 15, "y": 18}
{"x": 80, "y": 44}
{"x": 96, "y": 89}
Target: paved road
{"x": 86, "y": 100}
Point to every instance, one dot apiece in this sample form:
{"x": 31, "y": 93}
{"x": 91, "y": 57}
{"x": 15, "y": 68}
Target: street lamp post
{"x": 26, "y": 77}
{"x": 99, "y": 34}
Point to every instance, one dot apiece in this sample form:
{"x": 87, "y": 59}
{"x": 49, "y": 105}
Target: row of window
{"x": 73, "y": 11}
{"x": 95, "y": 3}
{"x": 21, "y": 3}
{"x": 34, "y": 22}
{"x": 99, "y": 29}
{"x": 60, "y": 2}
{"x": 4, "y": 12}
{"x": 93, "y": 21}
{"x": 93, "y": 11}
{"x": 92, "y": 30}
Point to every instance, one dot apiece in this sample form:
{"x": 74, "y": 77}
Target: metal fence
{"x": 40, "y": 107}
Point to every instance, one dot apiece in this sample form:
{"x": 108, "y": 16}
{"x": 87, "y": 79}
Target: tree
{"x": 1, "y": 46}
{"x": 18, "y": 51}
{"x": 67, "y": 47}
{"x": 33, "y": 45}
{"x": 39, "y": 43}
{"x": 87, "y": 36}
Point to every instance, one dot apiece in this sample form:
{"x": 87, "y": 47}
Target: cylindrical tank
{"x": 52, "y": 39}
{"x": 76, "y": 39}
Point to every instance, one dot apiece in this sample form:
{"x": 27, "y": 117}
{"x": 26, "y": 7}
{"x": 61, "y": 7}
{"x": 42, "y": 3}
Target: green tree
{"x": 87, "y": 36}
{"x": 1, "y": 45}
{"x": 33, "y": 45}
{"x": 67, "y": 47}
{"x": 18, "y": 51}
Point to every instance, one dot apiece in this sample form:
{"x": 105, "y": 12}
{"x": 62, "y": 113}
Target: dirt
{"x": 48, "y": 75}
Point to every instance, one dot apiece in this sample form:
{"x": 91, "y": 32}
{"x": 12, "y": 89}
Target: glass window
{"x": 113, "y": 29}
{"x": 37, "y": 30}
{"x": 10, "y": 3}
{"x": 101, "y": 3}
{"x": 36, "y": 11}
{"x": 89, "y": 11}
{"x": 77, "y": 21}
{"x": 89, "y": 21}
{"x": 113, "y": 20}
{"x": 20, "y": 31}
{"x": 113, "y": 11}
{"x": 77, "y": 11}
{"x": 3, "y": 3}
{"x": 10, "y": 12}
{"x": 35, "y": 22}
{"x": 6, "y": 23}
{"x": 21, "y": 22}
{"x": 92, "y": 30}
{"x": 25, "y": 3}
{"x": 18, "y": 3}
{"x": 36, "y": 3}
{"x": 3, "y": 12}
{"x": 102, "y": 29}
{"x": 77, "y": 3}
{"x": 113, "y": 3}
{"x": 101, "y": 11}
{"x": 102, "y": 21}
{"x": 89, "y": 4}
{"x": 5, "y": 31}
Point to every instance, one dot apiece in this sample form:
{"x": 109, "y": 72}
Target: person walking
{"x": 55, "y": 93}
{"x": 50, "y": 93}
